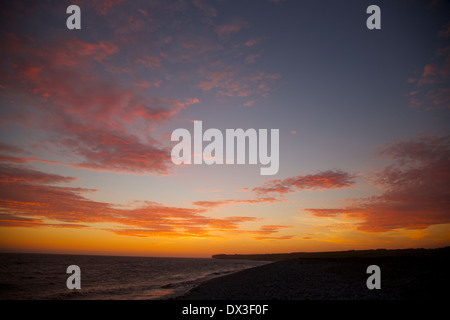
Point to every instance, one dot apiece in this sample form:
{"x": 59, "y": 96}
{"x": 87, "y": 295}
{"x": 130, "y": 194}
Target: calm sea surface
{"x": 43, "y": 276}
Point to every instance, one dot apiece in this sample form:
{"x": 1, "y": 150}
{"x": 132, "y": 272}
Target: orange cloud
{"x": 12, "y": 221}
{"x": 269, "y": 229}
{"x": 272, "y": 238}
{"x": 215, "y": 204}
{"x": 28, "y": 198}
{"x": 326, "y": 212}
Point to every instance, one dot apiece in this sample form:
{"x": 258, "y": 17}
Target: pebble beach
{"x": 402, "y": 278}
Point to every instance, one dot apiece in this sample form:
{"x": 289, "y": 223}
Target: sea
{"x": 27, "y": 276}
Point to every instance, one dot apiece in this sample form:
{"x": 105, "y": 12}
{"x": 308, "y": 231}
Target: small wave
{"x": 219, "y": 273}
{"x": 187, "y": 284}
{"x": 99, "y": 292}
{"x": 174, "y": 285}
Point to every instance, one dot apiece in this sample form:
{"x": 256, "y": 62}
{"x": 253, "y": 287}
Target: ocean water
{"x": 43, "y": 276}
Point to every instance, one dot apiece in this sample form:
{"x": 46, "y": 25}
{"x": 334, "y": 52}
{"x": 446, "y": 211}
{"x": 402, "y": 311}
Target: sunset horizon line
{"x": 211, "y": 256}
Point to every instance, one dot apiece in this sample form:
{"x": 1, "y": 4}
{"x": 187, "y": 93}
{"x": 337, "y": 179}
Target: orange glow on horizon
{"x": 100, "y": 242}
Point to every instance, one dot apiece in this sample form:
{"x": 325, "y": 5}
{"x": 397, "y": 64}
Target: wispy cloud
{"x": 249, "y": 103}
{"x": 227, "y": 29}
{"x": 231, "y": 81}
{"x": 331, "y": 179}
{"x": 273, "y": 238}
{"x": 219, "y": 203}
{"x": 206, "y": 7}
{"x": 321, "y": 181}
{"x": 102, "y": 6}
{"x": 253, "y": 41}
{"x": 149, "y": 61}
{"x": 14, "y": 173}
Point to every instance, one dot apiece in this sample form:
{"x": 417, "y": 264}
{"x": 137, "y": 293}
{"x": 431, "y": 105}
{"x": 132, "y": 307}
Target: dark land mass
{"x": 411, "y": 274}
{"x": 375, "y": 253}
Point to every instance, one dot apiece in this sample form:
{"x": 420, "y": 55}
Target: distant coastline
{"x": 334, "y": 254}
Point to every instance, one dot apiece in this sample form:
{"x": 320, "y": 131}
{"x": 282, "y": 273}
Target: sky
{"x": 87, "y": 116}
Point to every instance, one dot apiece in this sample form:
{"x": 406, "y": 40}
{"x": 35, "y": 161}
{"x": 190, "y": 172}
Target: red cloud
{"x": 149, "y": 61}
{"x": 324, "y": 180}
{"x": 93, "y": 118}
{"x": 7, "y": 158}
{"x": 116, "y": 152}
{"x": 431, "y": 88}
{"x": 252, "y": 42}
{"x": 416, "y": 188}
{"x": 77, "y": 48}
{"x": 7, "y": 148}
{"x": 102, "y": 6}
{"x": 10, "y": 173}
